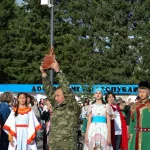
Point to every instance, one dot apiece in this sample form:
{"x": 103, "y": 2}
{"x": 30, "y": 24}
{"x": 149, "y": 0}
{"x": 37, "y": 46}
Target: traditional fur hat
{"x": 144, "y": 84}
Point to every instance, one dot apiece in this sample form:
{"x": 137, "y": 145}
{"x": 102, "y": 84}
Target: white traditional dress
{"x": 22, "y": 128}
{"x": 98, "y": 131}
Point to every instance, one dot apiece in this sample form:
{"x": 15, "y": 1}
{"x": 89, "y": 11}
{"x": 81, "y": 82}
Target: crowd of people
{"x": 106, "y": 123}
{"x": 116, "y": 124}
{"x": 23, "y": 121}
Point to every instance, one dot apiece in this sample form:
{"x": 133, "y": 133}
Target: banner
{"x": 123, "y": 89}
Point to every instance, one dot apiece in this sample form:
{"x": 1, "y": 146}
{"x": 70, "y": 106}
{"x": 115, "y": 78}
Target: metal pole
{"x": 52, "y": 37}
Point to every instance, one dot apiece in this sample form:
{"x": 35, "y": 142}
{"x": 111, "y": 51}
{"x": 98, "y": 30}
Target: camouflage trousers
{"x": 63, "y": 145}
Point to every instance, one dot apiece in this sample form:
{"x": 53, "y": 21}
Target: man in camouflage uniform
{"x": 66, "y": 111}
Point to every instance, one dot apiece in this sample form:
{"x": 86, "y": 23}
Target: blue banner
{"x": 123, "y": 89}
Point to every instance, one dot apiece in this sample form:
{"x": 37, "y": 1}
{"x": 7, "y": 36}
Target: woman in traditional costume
{"x": 119, "y": 133}
{"x": 98, "y": 132}
{"x": 22, "y": 126}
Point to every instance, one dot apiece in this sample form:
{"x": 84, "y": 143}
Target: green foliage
{"x": 28, "y": 38}
{"x": 102, "y": 53}
{"x": 92, "y": 39}
{"x": 7, "y": 14}
{"x": 142, "y": 38}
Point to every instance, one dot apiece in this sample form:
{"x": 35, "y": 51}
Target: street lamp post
{"x": 50, "y": 3}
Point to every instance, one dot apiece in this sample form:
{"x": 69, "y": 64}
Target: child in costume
{"x": 22, "y": 126}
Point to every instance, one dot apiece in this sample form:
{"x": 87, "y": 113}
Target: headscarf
{"x": 98, "y": 89}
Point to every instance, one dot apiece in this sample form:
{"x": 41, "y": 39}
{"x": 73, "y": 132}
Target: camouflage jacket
{"x": 64, "y": 119}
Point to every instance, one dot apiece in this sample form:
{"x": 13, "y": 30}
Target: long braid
{"x": 16, "y": 112}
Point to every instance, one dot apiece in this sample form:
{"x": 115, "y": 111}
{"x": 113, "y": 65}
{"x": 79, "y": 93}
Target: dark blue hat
{"x": 144, "y": 84}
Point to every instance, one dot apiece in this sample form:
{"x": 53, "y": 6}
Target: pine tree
{"x": 94, "y": 41}
{"x": 101, "y": 48}
{"x": 29, "y": 34}
{"x": 141, "y": 30}
{"x": 7, "y": 14}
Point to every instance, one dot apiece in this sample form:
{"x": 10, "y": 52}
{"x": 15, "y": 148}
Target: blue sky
{"x": 19, "y": 1}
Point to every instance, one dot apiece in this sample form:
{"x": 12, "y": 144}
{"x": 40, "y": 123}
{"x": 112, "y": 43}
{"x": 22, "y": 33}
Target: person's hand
{"x": 12, "y": 143}
{"x": 48, "y": 104}
{"x": 42, "y": 71}
{"x": 32, "y": 142}
{"x": 55, "y": 66}
{"x": 130, "y": 137}
{"x": 41, "y": 68}
{"x": 109, "y": 140}
{"x": 49, "y": 107}
{"x": 86, "y": 139}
